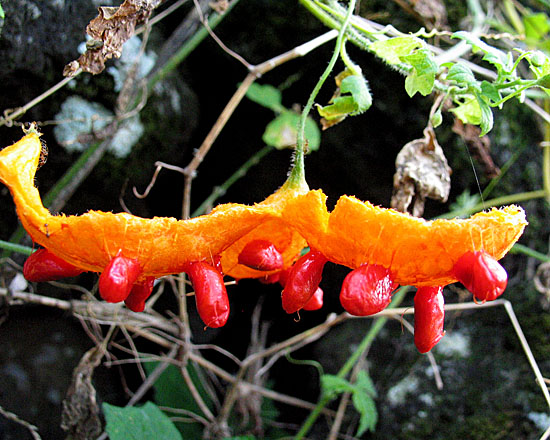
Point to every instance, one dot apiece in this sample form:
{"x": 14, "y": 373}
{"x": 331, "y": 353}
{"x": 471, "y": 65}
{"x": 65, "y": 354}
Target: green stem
{"x": 521, "y": 249}
{"x": 504, "y": 200}
{"x": 546, "y": 156}
{"x": 12, "y": 247}
{"x": 297, "y": 173}
{"x": 346, "y": 368}
{"x": 221, "y": 190}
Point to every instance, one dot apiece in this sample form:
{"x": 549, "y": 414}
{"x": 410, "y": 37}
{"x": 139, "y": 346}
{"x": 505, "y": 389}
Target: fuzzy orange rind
{"x": 417, "y": 252}
{"x": 161, "y": 245}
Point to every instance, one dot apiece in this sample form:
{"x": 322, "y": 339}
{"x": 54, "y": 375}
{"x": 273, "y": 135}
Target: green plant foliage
{"x": 392, "y": 50}
{"x": 363, "y": 394}
{"x": 171, "y": 391}
{"x": 356, "y": 99}
{"x": 281, "y": 132}
{"x": 422, "y": 76}
{"x": 266, "y": 95}
{"x": 144, "y": 423}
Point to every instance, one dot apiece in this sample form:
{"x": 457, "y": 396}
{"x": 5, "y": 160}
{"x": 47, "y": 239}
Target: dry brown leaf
{"x": 479, "y": 147}
{"x": 421, "y": 172}
{"x": 109, "y": 31}
{"x": 80, "y": 417}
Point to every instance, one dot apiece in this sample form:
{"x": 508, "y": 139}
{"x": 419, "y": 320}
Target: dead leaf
{"x": 80, "y": 417}
{"x": 479, "y": 147}
{"x": 109, "y": 31}
{"x": 421, "y": 172}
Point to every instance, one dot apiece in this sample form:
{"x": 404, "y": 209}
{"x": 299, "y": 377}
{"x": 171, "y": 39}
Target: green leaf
{"x": 496, "y": 57}
{"x": 333, "y": 385}
{"x": 468, "y": 111}
{"x": 281, "y": 132}
{"x": 365, "y": 383}
{"x": 392, "y": 49}
{"x": 486, "y": 122}
{"x": 422, "y": 76}
{"x": 490, "y": 91}
{"x": 437, "y": 118}
{"x": 265, "y": 95}
{"x": 171, "y": 391}
{"x": 544, "y": 82}
{"x": 463, "y": 76}
{"x": 465, "y": 201}
{"x": 536, "y": 26}
{"x": 1, "y": 12}
{"x": 144, "y": 423}
{"x": 358, "y": 100}
{"x": 365, "y": 406}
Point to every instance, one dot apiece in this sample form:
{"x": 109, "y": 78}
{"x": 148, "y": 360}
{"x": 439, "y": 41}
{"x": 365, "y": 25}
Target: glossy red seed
{"x": 367, "y": 290}
{"x": 302, "y": 281}
{"x": 261, "y": 255}
{"x": 481, "y": 274}
{"x": 210, "y": 293}
{"x": 429, "y": 314}
{"x": 42, "y": 266}
{"x": 118, "y": 277}
{"x": 316, "y": 301}
{"x": 139, "y": 294}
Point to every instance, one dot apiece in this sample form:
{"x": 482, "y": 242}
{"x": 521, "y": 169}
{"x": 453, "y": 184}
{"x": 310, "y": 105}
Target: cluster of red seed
{"x": 365, "y": 291}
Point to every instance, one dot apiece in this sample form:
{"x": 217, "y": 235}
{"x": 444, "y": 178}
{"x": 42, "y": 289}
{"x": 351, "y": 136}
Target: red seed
{"x": 139, "y": 294}
{"x": 302, "y": 281}
{"x": 316, "y": 301}
{"x": 42, "y": 266}
{"x": 210, "y": 293}
{"x": 429, "y": 314}
{"x": 367, "y": 290}
{"x": 118, "y": 277}
{"x": 481, "y": 274}
{"x": 261, "y": 255}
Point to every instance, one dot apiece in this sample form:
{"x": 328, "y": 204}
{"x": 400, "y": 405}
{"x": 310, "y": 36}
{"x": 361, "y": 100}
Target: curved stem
{"x": 297, "y": 174}
{"x": 364, "y": 345}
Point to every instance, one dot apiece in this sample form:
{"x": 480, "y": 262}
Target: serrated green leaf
{"x": 486, "y": 122}
{"x": 465, "y": 201}
{"x": 422, "y": 76}
{"x": 462, "y": 75}
{"x": 490, "y": 91}
{"x": 468, "y": 111}
{"x": 392, "y": 49}
{"x": 496, "y": 57}
{"x": 365, "y": 406}
{"x": 281, "y": 132}
{"x": 265, "y": 95}
{"x": 333, "y": 385}
{"x": 144, "y": 423}
{"x": 357, "y": 86}
{"x": 536, "y": 26}
{"x": 365, "y": 383}
{"x": 358, "y": 100}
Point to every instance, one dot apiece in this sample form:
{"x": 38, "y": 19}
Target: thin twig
{"x": 14, "y": 418}
{"x": 254, "y": 73}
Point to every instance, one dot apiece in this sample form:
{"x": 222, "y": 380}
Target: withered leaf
{"x": 81, "y": 414}
{"x": 421, "y": 172}
{"x": 109, "y": 31}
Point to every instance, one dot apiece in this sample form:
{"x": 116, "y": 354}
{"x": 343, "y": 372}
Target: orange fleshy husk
{"x": 162, "y": 246}
{"x": 418, "y": 252}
